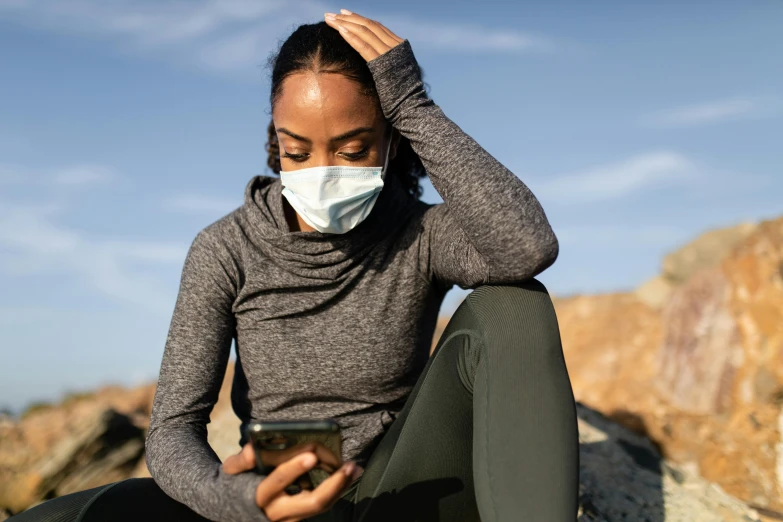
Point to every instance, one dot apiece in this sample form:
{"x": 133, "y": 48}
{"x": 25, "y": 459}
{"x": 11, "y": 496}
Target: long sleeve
{"x": 178, "y": 455}
{"x": 490, "y": 227}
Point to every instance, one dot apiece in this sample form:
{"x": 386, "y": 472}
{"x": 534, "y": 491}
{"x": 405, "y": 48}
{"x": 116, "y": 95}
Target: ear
{"x": 395, "y": 142}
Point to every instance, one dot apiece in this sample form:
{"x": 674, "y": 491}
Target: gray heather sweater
{"x": 333, "y": 325}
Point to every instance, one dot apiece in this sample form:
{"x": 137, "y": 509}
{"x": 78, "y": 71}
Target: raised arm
{"x": 178, "y": 455}
{"x": 490, "y": 221}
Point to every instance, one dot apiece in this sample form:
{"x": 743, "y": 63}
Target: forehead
{"x": 319, "y": 100}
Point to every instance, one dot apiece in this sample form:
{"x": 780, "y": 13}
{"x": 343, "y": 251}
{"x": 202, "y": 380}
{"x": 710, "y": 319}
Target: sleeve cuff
{"x": 396, "y": 57}
{"x": 245, "y": 485}
{"x": 398, "y": 81}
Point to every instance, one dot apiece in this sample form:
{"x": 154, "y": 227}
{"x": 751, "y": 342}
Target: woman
{"x": 331, "y": 287}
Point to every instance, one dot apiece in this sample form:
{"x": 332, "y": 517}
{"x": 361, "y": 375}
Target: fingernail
{"x": 308, "y": 460}
{"x": 348, "y": 468}
{"x": 345, "y": 11}
{"x": 330, "y": 16}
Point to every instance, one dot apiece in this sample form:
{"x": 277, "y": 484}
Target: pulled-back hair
{"x": 320, "y": 48}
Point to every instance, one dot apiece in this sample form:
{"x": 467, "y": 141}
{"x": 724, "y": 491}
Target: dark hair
{"x": 319, "y": 48}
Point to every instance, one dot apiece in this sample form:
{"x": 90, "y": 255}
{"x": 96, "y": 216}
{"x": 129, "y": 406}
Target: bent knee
{"x": 525, "y": 302}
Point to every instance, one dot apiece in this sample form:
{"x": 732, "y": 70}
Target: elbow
{"x": 525, "y": 264}
{"x": 540, "y": 261}
{"x": 548, "y": 252}
{"x": 540, "y": 258}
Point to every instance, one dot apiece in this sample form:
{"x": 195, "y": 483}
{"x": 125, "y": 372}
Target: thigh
{"x": 422, "y": 468}
{"x": 129, "y": 500}
{"x": 61, "y": 509}
{"x": 138, "y": 499}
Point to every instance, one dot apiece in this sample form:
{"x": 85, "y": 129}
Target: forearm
{"x": 194, "y": 363}
{"x": 187, "y": 469}
{"x": 499, "y": 214}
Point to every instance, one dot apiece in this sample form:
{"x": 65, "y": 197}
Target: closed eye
{"x": 350, "y": 155}
{"x": 295, "y": 157}
{"x": 357, "y": 155}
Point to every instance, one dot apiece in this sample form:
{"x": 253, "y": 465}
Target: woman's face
{"x": 323, "y": 119}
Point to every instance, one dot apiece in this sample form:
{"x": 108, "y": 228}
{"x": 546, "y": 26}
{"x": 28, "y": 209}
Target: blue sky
{"x": 127, "y": 126}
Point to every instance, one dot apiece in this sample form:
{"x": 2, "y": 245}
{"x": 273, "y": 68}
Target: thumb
{"x": 245, "y": 460}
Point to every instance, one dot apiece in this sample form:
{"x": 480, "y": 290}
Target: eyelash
{"x": 353, "y": 156}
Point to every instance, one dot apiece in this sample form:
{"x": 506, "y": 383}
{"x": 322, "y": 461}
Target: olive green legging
{"x": 489, "y": 433}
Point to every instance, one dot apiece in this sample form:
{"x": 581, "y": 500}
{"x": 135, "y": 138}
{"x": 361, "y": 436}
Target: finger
{"x": 362, "y": 39}
{"x": 365, "y": 33}
{"x": 325, "y": 456}
{"x": 394, "y": 38}
{"x": 310, "y": 503}
{"x": 388, "y": 38}
{"x": 243, "y": 461}
{"x": 282, "y": 476}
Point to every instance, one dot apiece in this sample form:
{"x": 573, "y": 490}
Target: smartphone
{"x": 279, "y": 435}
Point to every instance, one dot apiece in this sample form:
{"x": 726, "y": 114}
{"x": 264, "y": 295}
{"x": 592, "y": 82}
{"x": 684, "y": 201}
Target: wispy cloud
{"x": 85, "y": 175}
{"x": 467, "y": 37}
{"x": 238, "y": 35}
{"x": 618, "y": 180}
{"x": 196, "y": 204}
{"x": 73, "y": 175}
{"x": 716, "y": 111}
{"x": 32, "y": 242}
{"x": 607, "y": 235}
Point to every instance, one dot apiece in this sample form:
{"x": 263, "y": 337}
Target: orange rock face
{"x": 701, "y": 375}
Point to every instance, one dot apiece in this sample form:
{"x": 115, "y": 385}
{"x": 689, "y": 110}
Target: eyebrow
{"x": 341, "y": 137}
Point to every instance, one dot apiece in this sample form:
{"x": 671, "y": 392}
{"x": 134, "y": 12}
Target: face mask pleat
{"x": 333, "y": 199}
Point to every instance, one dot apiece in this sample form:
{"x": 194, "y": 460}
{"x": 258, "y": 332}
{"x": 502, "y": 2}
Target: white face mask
{"x": 334, "y": 199}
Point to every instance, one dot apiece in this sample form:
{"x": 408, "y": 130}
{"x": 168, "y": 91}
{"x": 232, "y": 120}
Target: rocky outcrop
{"x": 680, "y": 390}
{"x": 704, "y": 252}
{"x": 99, "y": 446}
{"x": 623, "y": 477}
{"x": 699, "y": 370}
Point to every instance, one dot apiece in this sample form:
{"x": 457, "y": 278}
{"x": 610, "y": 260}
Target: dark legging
{"x": 489, "y": 433}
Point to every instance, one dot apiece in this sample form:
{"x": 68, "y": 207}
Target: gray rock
{"x": 623, "y": 477}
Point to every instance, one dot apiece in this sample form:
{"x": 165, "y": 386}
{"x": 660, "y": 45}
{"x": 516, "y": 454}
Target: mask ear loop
{"x": 386, "y": 161}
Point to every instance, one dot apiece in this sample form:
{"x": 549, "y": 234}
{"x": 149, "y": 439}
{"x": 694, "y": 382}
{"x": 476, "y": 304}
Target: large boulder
{"x": 705, "y": 251}
{"x": 99, "y": 446}
{"x": 701, "y": 367}
{"x": 624, "y": 477}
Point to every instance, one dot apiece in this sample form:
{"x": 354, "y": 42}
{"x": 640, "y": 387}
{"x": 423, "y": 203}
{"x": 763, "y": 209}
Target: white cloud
{"x": 74, "y": 175}
{"x": 84, "y": 175}
{"x": 626, "y": 235}
{"x": 618, "y": 180}
{"x": 716, "y": 111}
{"x": 37, "y": 244}
{"x": 465, "y": 37}
{"x": 237, "y": 35}
{"x": 195, "y": 204}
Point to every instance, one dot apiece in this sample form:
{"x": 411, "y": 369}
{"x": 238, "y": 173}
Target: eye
{"x": 295, "y": 157}
{"x": 357, "y": 155}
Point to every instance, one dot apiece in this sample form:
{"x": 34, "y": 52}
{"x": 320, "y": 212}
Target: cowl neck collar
{"x": 320, "y": 255}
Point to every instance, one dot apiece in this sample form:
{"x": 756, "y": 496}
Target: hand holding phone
{"x": 277, "y": 441}
{"x": 289, "y": 467}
